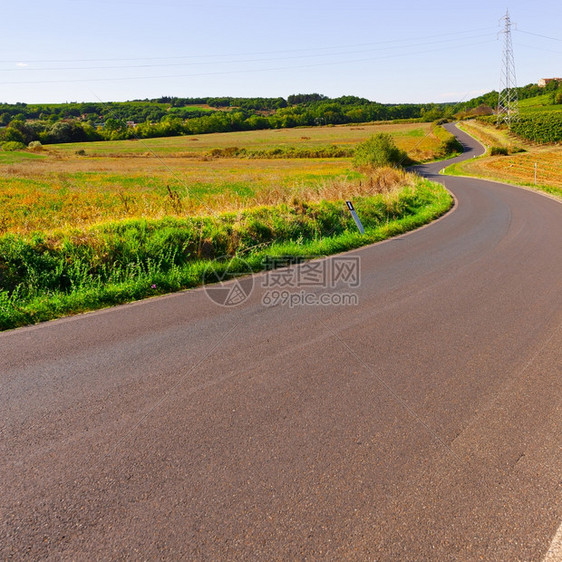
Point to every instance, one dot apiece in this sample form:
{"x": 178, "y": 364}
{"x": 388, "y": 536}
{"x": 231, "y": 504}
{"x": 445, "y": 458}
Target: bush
{"x": 379, "y": 150}
{"x": 11, "y": 134}
{"x": 11, "y": 146}
{"x": 450, "y": 146}
{"x": 35, "y": 146}
{"x": 498, "y": 151}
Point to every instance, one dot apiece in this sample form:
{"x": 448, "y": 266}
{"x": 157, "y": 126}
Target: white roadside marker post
{"x": 355, "y": 217}
{"x": 535, "y": 173}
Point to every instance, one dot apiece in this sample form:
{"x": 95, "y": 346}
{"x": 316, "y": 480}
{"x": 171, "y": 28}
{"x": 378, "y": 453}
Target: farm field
{"x": 416, "y": 138}
{"x": 518, "y": 167}
{"x": 63, "y": 187}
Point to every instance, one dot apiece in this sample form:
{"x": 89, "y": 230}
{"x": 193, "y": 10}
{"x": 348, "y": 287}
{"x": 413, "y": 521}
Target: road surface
{"x": 423, "y": 423}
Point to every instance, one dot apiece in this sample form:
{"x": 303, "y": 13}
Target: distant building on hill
{"x": 544, "y": 81}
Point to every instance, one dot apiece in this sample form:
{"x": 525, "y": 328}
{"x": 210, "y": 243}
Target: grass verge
{"x": 516, "y": 166}
{"x": 46, "y": 276}
{"x": 459, "y": 170}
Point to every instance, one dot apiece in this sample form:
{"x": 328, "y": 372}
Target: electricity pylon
{"x": 508, "y": 106}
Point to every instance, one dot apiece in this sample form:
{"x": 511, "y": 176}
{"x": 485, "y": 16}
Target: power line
{"x": 292, "y": 57}
{"x": 538, "y": 35}
{"x": 538, "y": 48}
{"x": 227, "y": 72}
{"x": 414, "y": 40}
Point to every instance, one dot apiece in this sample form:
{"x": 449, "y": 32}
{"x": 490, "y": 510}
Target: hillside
{"x": 542, "y": 102}
{"x": 531, "y": 97}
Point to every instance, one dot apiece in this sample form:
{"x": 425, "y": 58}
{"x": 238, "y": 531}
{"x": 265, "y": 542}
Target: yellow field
{"x": 156, "y": 177}
{"x": 54, "y": 194}
{"x": 417, "y": 139}
{"x": 516, "y": 168}
{"x": 521, "y": 167}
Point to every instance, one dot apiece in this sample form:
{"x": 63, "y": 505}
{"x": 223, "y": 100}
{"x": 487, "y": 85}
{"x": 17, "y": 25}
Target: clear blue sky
{"x": 408, "y": 51}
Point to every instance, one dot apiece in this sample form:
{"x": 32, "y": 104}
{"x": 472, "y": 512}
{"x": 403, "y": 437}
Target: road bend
{"x": 422, "y": 421}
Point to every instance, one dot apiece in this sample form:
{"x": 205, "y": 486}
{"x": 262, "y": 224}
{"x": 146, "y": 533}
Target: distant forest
{"x": 171, "y": 116}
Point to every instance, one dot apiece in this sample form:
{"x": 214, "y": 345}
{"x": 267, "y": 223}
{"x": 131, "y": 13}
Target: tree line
{"x": 79, "y": 122}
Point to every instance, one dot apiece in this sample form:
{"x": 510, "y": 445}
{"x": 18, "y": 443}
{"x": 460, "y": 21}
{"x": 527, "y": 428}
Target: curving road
{"x": 423, "y": 423}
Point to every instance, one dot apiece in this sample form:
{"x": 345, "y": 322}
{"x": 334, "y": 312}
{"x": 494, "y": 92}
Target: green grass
{"x": 538, "y": 103}
{"x": 191, "y": 109}
{"x": 60, "y": 255}
{"x": 16, "y": 157}
{"x": 45, "y": 277}
{"x": 416, "y": 133}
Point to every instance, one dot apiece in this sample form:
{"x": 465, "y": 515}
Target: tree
{"x": 379, "y": 150}
{"x": 11, "y": 134}
{"x": 112, "y": 125}
{"x": 297, "y": 99}
{"x": 65, "y": 131}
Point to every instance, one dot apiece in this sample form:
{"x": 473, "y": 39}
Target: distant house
{"x": 544, "y": 81}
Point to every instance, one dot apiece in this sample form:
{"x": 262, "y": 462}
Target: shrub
{"x": 379, "y": 150}
{"x": 35, "y": 146}
{"x": 498, "y": 151}
{"x": 11, "y": 146}
{"x": 450, "y": 146}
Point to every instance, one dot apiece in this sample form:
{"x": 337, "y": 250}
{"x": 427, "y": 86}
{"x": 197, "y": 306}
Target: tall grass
{"x": 59, "y": 188}
{"x": 82, "y": 199}
{"x": 47, "y": 275}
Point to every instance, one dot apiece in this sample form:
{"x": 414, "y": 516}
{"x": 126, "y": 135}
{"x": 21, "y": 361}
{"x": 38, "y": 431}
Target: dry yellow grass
{"x": 516, "y": 168}
{"x": 150, "y": 178}
{"x": 52, "y": 200}
{"x": 489, "y": 135}
{"x": 418, "y": 139}
{"x": 520, "y": 168}
{"x": 78, "y": 192}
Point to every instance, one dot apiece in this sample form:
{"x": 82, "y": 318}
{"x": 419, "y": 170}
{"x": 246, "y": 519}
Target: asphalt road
{"x": 423, "y": 423}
